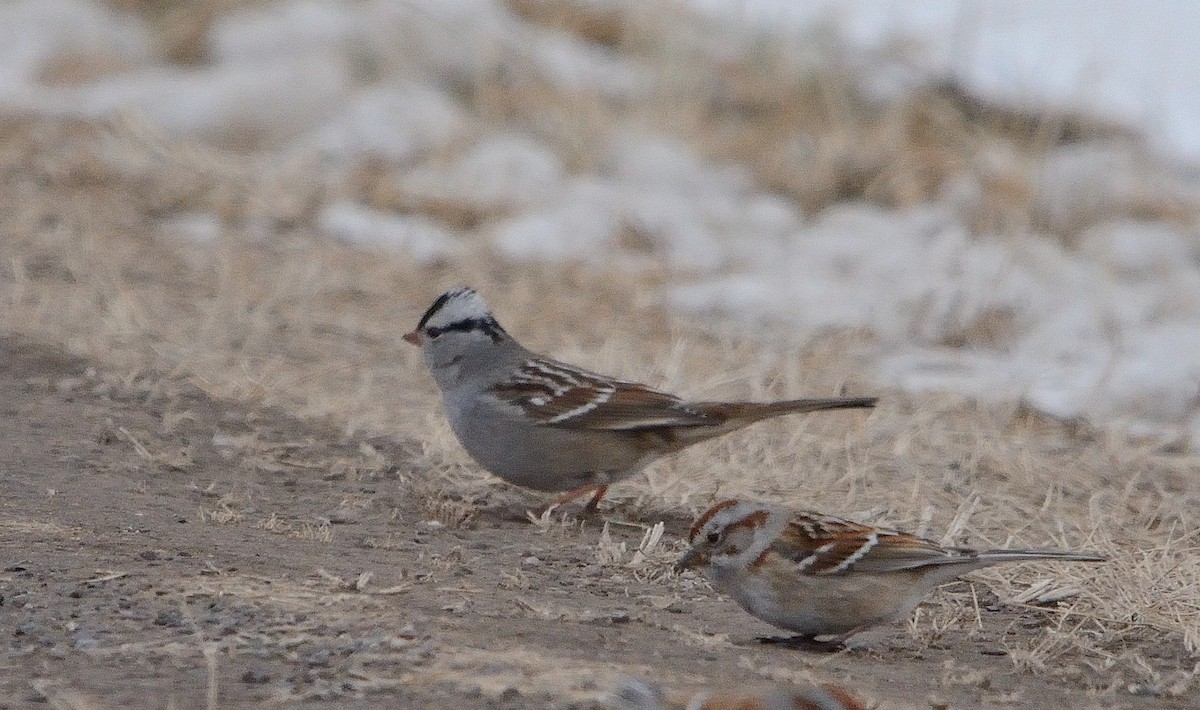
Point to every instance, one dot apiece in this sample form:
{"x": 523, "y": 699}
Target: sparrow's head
{"x": 731, "y": 533}
{"x": 457, "y": 336}
{"x": 459, "y": 311}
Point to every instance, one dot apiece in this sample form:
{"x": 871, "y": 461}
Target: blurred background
{"x": 995, "y": 201}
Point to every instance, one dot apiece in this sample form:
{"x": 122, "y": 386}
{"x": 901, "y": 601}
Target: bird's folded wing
{"x": 555, "y": 394}
{"x": 827, "y": 545}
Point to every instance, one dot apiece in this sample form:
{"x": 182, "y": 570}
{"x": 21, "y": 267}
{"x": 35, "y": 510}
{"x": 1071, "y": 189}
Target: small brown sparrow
{"x": 543, "y": 424}
{"x": 817, "y": 575}
{"x": 640, "y": 695}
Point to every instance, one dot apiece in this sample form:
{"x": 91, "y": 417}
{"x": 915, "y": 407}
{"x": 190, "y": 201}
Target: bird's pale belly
{"x": 547, "y": 458}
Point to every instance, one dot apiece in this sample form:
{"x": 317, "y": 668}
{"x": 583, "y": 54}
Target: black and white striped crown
{"x": 460, "y": 309}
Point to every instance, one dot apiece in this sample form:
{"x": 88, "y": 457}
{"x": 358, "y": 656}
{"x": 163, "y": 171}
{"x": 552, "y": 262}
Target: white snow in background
{"x": 683, "y": 205}
{"x": 1134, "y": 62}
{"x": 197, "y": 227}
{"x": 1106, "y": 328}
{"x": 500, "y": 173}
{"x": 296, "y": 29}
{"x": 1110, "y": 333}
{"x": 397, "y": 123}
{"x": 277, "y": 72}
{"x": 698, "y": 215}
{"x": 422, "y": 238}
{"x": 35, "y": 33}
{"x": 447, "y": 42}
{"x": 276, "y": 100}
{"x": 581, "y": 222}
{"x": 575, "y": 66}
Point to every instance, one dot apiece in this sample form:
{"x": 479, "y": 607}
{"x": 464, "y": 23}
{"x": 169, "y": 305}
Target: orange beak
{"x": 413, "y": 337}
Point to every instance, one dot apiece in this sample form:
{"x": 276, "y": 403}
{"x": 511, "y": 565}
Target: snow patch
{"x": 425, "y": 240}
{"x": 35, "y": 34}
{"x": 501, "y": 173}
{"x": 397, "y": 123}
{"x": 582, "y": 223}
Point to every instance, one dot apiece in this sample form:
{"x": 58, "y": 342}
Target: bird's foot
{"x": 801, "y": 642}
{"x": 589, "y": 511}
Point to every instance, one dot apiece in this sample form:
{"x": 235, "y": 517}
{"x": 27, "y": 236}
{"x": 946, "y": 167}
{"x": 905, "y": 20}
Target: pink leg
{"x": 593, "y": 505}
{"x": 589, "y": 509}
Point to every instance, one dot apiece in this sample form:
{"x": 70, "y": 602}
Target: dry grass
{"x": 272, "y": 315}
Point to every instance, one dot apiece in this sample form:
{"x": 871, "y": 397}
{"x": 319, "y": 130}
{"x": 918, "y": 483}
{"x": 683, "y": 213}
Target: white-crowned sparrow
{"x": 546, "y": 425}
{"x": 816, "y": 575}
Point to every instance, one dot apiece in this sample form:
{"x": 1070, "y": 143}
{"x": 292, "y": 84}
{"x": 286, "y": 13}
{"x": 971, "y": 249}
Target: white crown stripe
{"x": 461, "y": 304}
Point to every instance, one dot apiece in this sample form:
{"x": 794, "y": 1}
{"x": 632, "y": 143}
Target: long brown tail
{"x": 998, "y": 556}
{"x": 747, "y": 412}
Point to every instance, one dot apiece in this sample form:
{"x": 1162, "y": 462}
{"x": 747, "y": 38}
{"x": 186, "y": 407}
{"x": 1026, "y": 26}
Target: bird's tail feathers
{"x": 998, "y": 556}
{"x": 748, "y": 412}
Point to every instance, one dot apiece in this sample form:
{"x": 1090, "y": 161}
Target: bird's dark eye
{"x": 714, "y": 537}
{"x": 433, "y": 332}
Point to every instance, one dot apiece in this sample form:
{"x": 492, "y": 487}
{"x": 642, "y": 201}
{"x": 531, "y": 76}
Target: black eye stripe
{"x": 487, "y": 326}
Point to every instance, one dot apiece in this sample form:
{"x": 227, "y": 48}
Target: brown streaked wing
{"x": 827, "y": 545}
{"x": 632, "y": 407}
{"x": 560, "y": 395}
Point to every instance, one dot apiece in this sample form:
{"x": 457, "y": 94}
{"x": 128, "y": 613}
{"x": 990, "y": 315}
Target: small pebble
{"x": 1148, "y": 689}
{"x": 170, "y": 618}
{"x": 317, "y": 658}
{"x": 256, "y": 676}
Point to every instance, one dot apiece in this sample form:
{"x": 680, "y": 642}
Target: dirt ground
{"x": 180, "y": 552}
